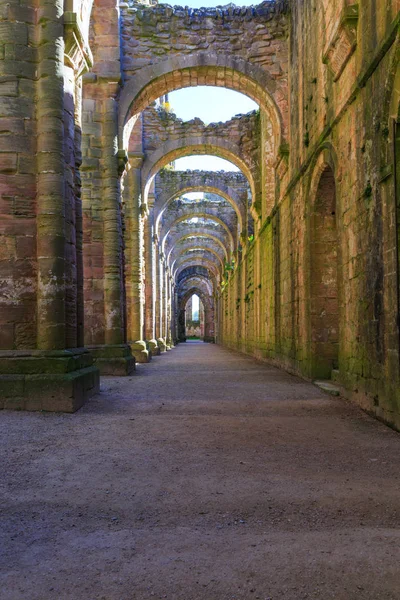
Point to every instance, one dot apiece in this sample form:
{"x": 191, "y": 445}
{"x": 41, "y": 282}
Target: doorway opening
{"x": 194, "y": 319}
{"x": 324, "y": 279}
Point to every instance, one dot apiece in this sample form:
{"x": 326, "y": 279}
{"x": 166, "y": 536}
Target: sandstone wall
{"x": 343, "y": 98}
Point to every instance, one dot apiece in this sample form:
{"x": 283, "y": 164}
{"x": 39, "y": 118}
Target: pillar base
{"x": 114, "y": 360}
{"x": 56, "y": 381}
{"x": 153, "y": 348}
{"x": 162, "y": 345}
{"x": 140, "y": 352}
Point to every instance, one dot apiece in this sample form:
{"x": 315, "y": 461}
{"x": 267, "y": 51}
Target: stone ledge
{"x": 328, "y": 387}
{"x": 57, "y": 362}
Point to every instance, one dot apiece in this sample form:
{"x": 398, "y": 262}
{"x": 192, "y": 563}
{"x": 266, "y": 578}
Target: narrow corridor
{"x": 205, "y": 476}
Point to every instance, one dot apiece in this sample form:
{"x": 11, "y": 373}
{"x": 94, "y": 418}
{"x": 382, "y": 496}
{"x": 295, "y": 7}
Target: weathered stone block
{"x": 113, "y": 360}
{"x": 8, "y": 162}
{"x": 140, "y": 352}
{"x": 65, "y": 391}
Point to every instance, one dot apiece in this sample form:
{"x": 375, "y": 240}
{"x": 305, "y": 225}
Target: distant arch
{"x": 201, "y": 215}
{"x": 175, "y": 149}
{"x": 207, "y": 236}
{"x": 222, "y": 191}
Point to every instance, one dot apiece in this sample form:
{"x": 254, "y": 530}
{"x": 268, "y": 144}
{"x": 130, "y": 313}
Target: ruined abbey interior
{"x": 294, "y": 256}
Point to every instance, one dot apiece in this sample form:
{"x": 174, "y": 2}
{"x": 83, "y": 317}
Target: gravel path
{"x": 205, "y": 476}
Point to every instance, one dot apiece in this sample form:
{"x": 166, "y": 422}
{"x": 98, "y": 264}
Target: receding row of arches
{"x": 123, "y": 239}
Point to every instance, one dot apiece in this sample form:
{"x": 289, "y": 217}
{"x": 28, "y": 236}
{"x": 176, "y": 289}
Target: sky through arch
{"x": 211, "y": 104}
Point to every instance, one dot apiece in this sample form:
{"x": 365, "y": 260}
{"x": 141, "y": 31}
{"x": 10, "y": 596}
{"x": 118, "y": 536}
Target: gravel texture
{"x": 205, "y": 476}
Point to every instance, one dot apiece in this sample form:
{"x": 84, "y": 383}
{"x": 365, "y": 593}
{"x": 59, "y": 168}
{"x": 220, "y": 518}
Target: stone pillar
{"x": 172, "y": 312}
{"x": 42, "y": 367}
{"x": 181, "y": 321}
{"x": 150, "y": 281}
{"x": 160, "y": 302}
{"x": 103, "y": 237}
{"x": 156, "y": 288}
{"x": 165, "y": 306}
{"x": 102, "y": 167}
{"x": 135, "y": 213}
{"x": 175, "y": 333}
{"x": 169, "y": 341}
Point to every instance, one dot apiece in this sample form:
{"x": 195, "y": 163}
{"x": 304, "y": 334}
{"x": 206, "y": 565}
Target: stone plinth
{"x": 154, "y": 348}
{"x": 140, "y": 352}
{"x": 57, "y": 381}
{"x": 162, "y": 345}
{"x": 113, "y": 360}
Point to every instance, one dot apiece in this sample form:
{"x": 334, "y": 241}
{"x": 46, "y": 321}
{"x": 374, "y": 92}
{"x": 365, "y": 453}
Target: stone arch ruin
{"x": 295, "y": 257}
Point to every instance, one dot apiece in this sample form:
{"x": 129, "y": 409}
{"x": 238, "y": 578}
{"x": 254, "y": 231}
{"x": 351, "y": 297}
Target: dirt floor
{"x": 204, "y": 476}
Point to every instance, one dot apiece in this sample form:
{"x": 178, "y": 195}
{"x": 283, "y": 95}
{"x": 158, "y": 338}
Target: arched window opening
{"x": 324, "y": 279}
{"x": 194, "y": 318}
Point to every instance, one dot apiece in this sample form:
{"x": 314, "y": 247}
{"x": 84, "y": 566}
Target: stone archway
{"x": 207, "y": 217}
{"x": 195, "y": 146}
{"x": 208, "y": 305}
{"x": 208, "y": 237}
{"x": 208, "y": 68}
{"x": 233, "y": 187}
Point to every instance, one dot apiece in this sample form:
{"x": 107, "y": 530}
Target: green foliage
{"x": 368, "y": 190}
{"x": 228, "y": 268}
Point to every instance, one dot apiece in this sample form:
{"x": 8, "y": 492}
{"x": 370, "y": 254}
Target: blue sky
{"x": 211, "y": 104}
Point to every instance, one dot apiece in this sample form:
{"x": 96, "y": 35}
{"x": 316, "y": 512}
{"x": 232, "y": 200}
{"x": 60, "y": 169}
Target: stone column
{"x": 169, "y": 341}
{"x": 150, "y": 281}
{"x": 172, "y": 312}
{"x": 43, "y": 368}
{"x": 165, "y": 306}
{"x": 103, "y": 237}
{"x": 157, "y": 330}
{"x": 175, "y": 333}
{"x": 160, "y": 302}
{"x": 135, "y": 214}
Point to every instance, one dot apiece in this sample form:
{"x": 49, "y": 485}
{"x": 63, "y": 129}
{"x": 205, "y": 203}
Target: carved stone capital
{"x": 122, "y": 157}
{"x": 77, "y": 53}
{"x": 144, "y": 210}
